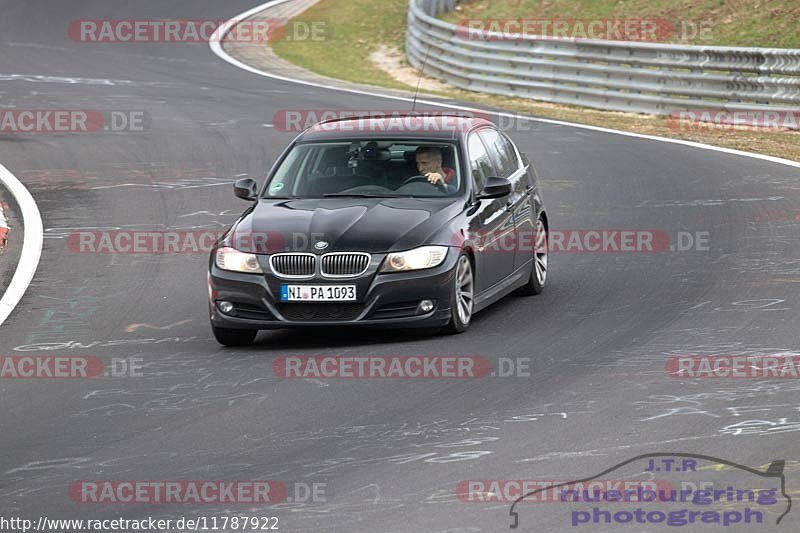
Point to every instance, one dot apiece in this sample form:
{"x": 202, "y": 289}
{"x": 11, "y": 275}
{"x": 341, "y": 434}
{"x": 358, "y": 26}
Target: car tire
{"x": 538, "y": 277}
{"x": 462, "y": 296}
{"x": 234, "y": 337}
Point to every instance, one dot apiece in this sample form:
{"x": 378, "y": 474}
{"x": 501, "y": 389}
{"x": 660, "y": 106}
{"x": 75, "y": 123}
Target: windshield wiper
{"x": 355, "y": 195}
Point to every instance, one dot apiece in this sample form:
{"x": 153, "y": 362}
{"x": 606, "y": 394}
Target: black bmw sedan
{"x": 411, "y": 221}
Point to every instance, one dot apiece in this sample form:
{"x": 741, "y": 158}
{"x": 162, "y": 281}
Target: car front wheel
{"x": 462, "y": 297}
{"x": 538, "y": 277}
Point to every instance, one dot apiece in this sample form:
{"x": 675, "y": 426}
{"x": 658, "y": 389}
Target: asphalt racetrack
{"x": 385, "y": 454}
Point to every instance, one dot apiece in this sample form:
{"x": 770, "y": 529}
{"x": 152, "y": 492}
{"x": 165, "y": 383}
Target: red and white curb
{"x": 32, "y": 239}
{"x": 3, "y": 229}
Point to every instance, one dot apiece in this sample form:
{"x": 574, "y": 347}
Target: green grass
{"x": 359, "y": 27}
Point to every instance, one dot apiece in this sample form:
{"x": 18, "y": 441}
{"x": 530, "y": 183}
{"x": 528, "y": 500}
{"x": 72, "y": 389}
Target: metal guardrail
{"x": 614, "y": 75}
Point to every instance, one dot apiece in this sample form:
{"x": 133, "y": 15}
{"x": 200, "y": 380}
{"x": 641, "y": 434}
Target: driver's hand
{"x": 435, "y": 178}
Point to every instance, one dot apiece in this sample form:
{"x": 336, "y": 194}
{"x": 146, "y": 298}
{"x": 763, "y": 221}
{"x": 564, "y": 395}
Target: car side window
{"x": 479, "y": 161}
{"x": 513, "y": 151}
{"x": 502, "y": 151}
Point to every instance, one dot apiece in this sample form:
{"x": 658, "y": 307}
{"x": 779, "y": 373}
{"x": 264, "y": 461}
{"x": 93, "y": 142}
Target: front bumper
{"x": 382, "y": 299}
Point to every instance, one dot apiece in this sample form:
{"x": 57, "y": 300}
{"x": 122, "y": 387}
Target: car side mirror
{"x": 246, "y": 189}
{"x": 495, "y": 188}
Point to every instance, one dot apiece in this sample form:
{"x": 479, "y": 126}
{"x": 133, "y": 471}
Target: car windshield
{"x": 367, "y": 168}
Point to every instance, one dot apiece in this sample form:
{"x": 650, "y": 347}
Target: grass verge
{"x": 359, "y": 27}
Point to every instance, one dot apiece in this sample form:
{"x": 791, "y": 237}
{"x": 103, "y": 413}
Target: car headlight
{"x": 416, "y": 259}
{"x": 236, "y": 261}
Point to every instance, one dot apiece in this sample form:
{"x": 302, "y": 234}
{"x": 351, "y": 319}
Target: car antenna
{"x": 419, "y": 81}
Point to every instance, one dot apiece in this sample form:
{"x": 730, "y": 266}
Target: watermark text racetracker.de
{"x": 756, "y": 120}
{"x": 555, "y": 29}
{"x": 202, "y": 492}
{"x": 399, "y": 367}
{"x": 587, "y": 241}
{"x": 197, "y": 31}
{"x": 178, "y": 241}
{"x": 399, "y": 120}
{"x": 548, "y": 491}
{"x": 19, "y": 121}
{"x": 143, "y": 241}
{"x": 67, "y": 367}
{"x": 734, "y": 367}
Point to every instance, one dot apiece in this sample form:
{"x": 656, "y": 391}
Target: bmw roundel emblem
{"x": 321, "y": 245}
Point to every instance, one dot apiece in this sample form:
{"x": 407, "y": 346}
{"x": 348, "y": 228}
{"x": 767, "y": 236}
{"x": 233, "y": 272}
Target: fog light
{"x": 225, "y": 307}
{"x": 425, "y": 306}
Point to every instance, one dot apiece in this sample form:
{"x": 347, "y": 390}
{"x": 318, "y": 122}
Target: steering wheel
{"x": 418, "y": 177}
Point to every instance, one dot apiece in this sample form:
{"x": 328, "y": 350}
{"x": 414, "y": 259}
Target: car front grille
{"x": 345, "y": 264}
{"x": 293, "y": 265}
{"x": 320, "y": 311}
{"x": 332, "y": 265}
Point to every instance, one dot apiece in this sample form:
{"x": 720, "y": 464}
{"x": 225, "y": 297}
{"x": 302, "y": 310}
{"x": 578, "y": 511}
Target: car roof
{"x": 395, "y": 126}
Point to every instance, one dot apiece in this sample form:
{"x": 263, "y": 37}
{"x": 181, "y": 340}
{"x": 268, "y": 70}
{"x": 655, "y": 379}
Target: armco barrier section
{"x": 640, "y": 77}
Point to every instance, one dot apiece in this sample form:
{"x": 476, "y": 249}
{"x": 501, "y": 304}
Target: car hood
{"x": 371, "y": 225}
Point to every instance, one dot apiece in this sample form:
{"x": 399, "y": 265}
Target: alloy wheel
{"x": 540, "y": 253}
{"x": 464, "y": 290}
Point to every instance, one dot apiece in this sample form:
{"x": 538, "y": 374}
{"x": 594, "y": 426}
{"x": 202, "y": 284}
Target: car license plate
{"x": 318, "y": 293}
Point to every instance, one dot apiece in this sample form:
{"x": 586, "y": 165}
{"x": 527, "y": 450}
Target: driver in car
{"x": 429, "y": 164}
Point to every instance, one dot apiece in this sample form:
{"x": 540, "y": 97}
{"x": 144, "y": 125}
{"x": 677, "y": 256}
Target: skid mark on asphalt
{"x": 65, "y": 232}
{"x": 180, "y": 185}
{"x": 86, "y": 344}
{"x": 227, "y": 212}
{"x": 67, "y": 462}
{"x": 68, "y": 314}
{"x": 31, "y": 78}
{"x": 605, "y": 451}
{"x": 134, "y": 327}
{"x": 157, "y": 176}
{"x": 711, "y": 202}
